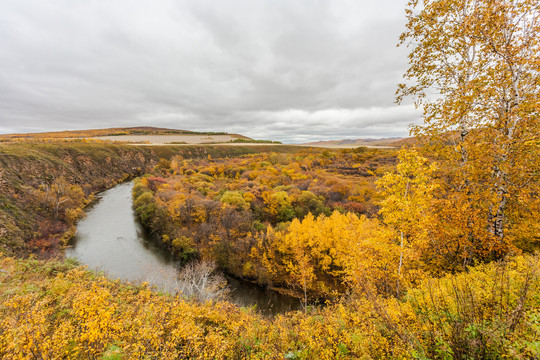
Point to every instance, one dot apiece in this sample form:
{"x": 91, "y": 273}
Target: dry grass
{"x": 345, "y": 146}
{"x": 168, "y": 139}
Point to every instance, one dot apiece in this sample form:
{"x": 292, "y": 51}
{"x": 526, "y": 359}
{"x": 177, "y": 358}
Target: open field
{"x": 153, "y": 136}
{"x": 125, "y": 134}
{"x": 386, "y": 143}
{"x": 139, "y": 130}
{"x": 176, "y": 139}
{"x": 345, "y": 146}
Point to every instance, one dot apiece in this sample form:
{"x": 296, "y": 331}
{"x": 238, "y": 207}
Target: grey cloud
{"x": 299, "y": 125}
{"x": 280, "y": 69}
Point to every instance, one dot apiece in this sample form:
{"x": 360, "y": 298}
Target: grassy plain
{"x": 176, "y": 139}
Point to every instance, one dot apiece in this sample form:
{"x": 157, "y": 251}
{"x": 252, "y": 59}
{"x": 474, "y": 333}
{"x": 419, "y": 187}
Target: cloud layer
{"x": 294, "y": 71}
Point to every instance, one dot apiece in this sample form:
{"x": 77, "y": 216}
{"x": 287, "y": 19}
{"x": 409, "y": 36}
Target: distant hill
{"x": 405, "y": 142}
{"x": 351, "y": 143}
{"x": 139, "y": 130}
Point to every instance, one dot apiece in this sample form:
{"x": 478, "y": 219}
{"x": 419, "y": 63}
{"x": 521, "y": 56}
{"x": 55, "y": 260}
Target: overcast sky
{"x": 290, "y": 70}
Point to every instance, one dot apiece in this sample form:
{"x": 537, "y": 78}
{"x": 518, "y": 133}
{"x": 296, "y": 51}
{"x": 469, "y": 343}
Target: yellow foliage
{"x": 325, "y": 254}
{"x": 52, "y": 310}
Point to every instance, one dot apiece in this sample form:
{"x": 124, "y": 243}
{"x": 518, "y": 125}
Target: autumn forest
{"x": 425, "y": 249}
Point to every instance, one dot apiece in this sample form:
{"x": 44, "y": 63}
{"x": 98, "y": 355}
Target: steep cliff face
{"x": 33, "y": 163}
{"x": 43, "y": 185}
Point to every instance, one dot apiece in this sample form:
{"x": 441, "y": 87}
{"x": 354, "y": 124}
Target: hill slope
{"x": 352, "y": 143}
{"x": 139, "y": 130}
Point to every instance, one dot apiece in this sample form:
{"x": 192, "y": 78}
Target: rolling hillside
{"x": 91, "y": 133}
{"x": 352, "y": 143}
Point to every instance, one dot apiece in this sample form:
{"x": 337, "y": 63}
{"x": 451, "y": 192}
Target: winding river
{"x": 110, "y": 239}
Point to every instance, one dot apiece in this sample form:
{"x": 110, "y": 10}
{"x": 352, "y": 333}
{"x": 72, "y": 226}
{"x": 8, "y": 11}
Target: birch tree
{"x": 408, "y": 198}
{"x": 475, "y": 72}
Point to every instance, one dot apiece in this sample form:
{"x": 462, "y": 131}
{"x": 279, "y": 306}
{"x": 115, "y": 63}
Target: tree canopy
{"x": 475, "y": 72}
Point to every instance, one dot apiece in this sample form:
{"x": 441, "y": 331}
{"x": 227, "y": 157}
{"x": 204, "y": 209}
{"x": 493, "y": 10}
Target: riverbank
{"x": 110, "y": 239}
{"x": 36, "y": 216}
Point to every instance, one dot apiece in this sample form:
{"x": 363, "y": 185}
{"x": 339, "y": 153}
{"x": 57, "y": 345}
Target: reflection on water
{"x": 111, "y": 240}
{"x": 266, "y": 301}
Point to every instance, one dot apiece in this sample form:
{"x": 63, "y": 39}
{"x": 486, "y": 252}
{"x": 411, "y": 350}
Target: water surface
{"x": 110, "y": 239}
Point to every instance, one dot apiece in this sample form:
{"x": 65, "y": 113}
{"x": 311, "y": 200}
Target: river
{"x": 111, "y": 240}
